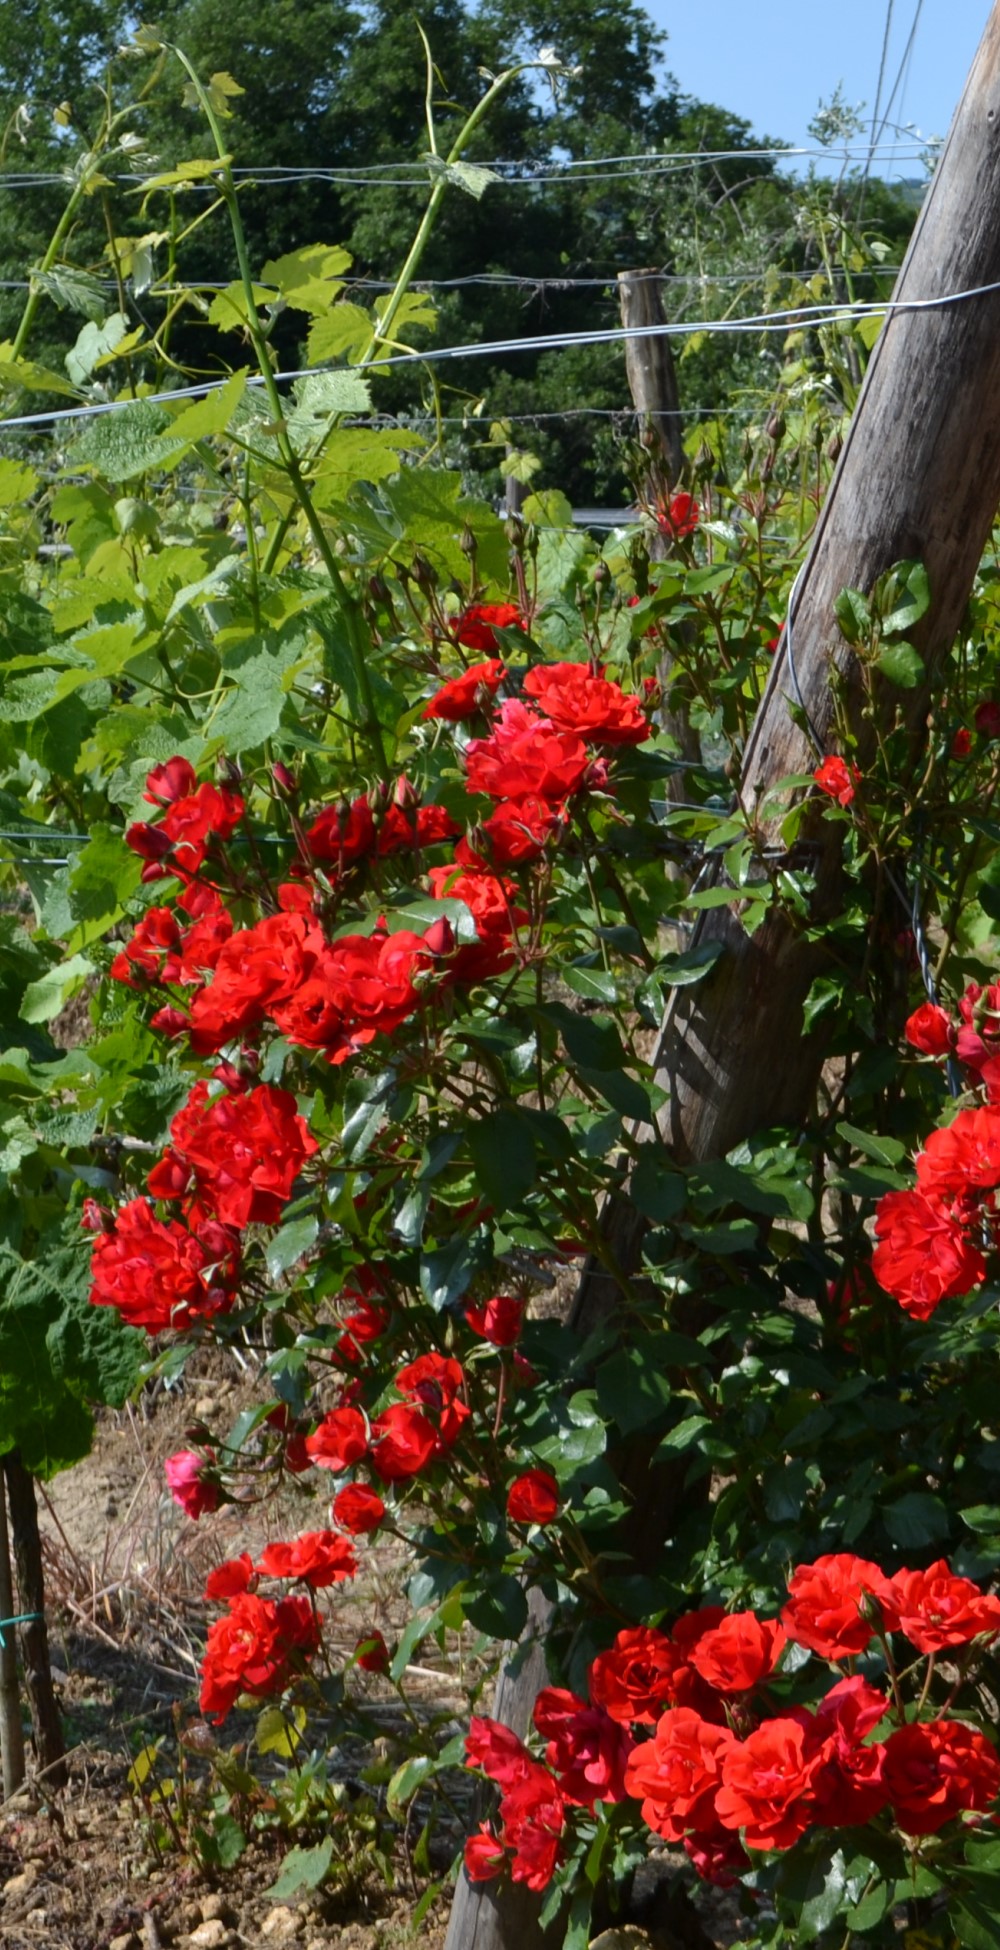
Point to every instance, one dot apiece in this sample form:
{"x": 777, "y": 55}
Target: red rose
{"x": 768, "y": 1784}
{"x": 680, "y": 518}
{"x": 849, "y": 1783}
{"x": 160, "y": 1274}
{"x": 255, "y": 970}
{"x": 678, "y": 1773}
{"x": 229, "y": 1579}
{"x": 832, "y": 1604}
{"x": 987, "y": 720}
{"x": 340, "y": 1440}
{"x": 255, "y": 1649}
{"x": 244, "y": 1152}
{"x": 364, "y": 1323}
{"x": 633, "y": 1680}
{"x": 436, "y": 1381}
{"x": 515, "y": 833}
{"x": 498, "y": 1321}
{"x": 923, "y": 1255}
{"x": 171, "y": 781}
{"x": 978, "y": 1039}
{"x": 937, "y": 1609}
{"x": 526, "y": 755}
{"x": 587, "y": 1750}
{"x": 837, "y": 779}
{"x": 961, "y": 744}
{"x": 190, "y": 1485}
{"x": 477, "y": 626}
{"x": 358, "y": 1509}
{"x": 485, "y": 1856}
{"x": 492, "y": 905}
{"x": 342, "y": 835}
{"x": 319, "y": 1558}
{"x": 533, "y": 1497}
{"x": 937, "y": 1770}
{"x": 929, "y": 1029}
{"x": 962, "y": 1158}
{"x": 371, "y": 1653}
{"x": 533, "y": 1813}
{"x": 403, "y": 1443}
{"x": 738, "y": 1652}
{"x": 464, "y": 695}
{"x": 592, "y": 707}
{"x": 492, "y": 1747}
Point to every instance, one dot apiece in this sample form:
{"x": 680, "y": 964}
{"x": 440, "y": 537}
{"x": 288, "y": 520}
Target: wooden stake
{"x": 652, "y": 379}
{"x": 11, "y": 1731}
{"x": 49, "y": 1746}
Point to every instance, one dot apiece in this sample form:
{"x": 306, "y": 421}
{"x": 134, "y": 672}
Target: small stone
{"x": 279, "y": 1925}
{"x": 214, "y": 1909}
{"x": 127, "y": 1942}
{"x": 212, "y": 1935}
{"x": 23, "y": 1884}
{"x": 205, "y": 1406}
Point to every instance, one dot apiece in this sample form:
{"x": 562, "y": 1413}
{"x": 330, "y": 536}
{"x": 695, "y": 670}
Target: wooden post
{"x": 11, "y": 1732}
{"x": 652, "y": 379}
{"x": 49, "y": 1746}
{"x": 919, "y": 476}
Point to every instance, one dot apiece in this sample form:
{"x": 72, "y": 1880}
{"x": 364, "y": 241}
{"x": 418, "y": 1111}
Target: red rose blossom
{"x": 190, "y": 1485}
{"x": 340, "y": 1440}
{"x": 593, "y": 707}
{"x": 832, "y": 1605}
{"x": 634, "y": 1679}
{"x": 319, "y": 1558}
{"x": 526, "y": 755}
{"x": 533, "y": 1497}
{"x": 924, "y": 1255}
{"x": 768, "y": 1784}
{"x": 255, "y": 1649}
{"x": 462, "y": 697}
{"x": 358, "y": 1509}
{"x": 477, "y": 626}
{"x": 938, "y": 1770}
{"x": 403, "y": 1443}
{"x": 937, "y": 1609}
{"x": 929, "y": 1030}
{"x": 498, "y": 1321}
{"x": 837, "y": 779}
{"x": 678, "y": 1773}
{"x": 739, "y": 1652}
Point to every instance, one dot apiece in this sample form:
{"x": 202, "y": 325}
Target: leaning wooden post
{"x": 918, "y": 477}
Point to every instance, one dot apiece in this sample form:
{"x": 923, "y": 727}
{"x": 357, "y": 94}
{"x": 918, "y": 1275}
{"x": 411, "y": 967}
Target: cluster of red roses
{"x": 233, "y": 1159}
{"x": 260, "y": 1645}
{"x": 685, "y": 1722}
{"x": 396, "y": 1444}
{"x": 933, "y": 1239}
{"x": 236, "y": 1150}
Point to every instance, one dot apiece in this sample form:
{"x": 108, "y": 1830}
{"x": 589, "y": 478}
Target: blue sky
{"x": 774, "y": 61}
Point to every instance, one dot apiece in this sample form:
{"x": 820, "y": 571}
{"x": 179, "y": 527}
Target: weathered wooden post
{"x": 11, "y": 1733}
{"x": 918, "y": 477}
{"x": 652, "y": 380}
{"x": 49, "y": 1746}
